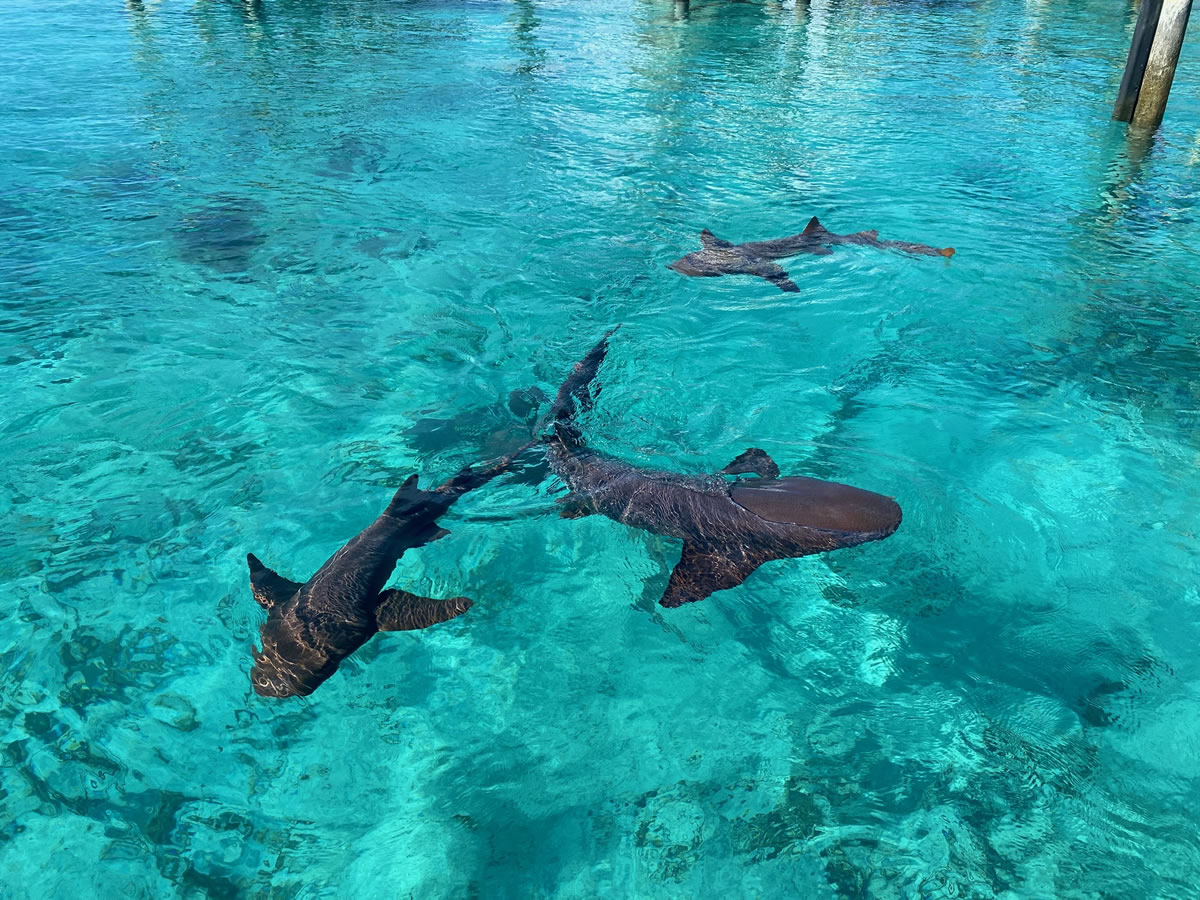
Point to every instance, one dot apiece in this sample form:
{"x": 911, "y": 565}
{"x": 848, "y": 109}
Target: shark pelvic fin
{"x": 568, "y": 435}
{"x": 813, "y": 227}
{"x": 572, "y": 507}
{"x": 702, "y": 570}
{"x": 710, "y": 241}
{"x": 753, "y": 462}
{"x": 268, "y": 587}
{"x": 401, "y": 611}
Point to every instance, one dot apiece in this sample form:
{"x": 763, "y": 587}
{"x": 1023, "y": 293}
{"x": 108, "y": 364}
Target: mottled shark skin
{"x": 312, "y": 627}
{"x": 720, "y": 257}
{"x": 728, "y": 528}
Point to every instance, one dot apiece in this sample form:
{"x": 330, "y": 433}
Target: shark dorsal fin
{"x": 268, "y": 587}
{"x": 753, "y": 462}
{"x": 813, "y": 227}
{"x": 702, "y": 570}
{"x": 710, "y": 241}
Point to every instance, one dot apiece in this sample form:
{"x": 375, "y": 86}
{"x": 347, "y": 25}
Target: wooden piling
{"x": 1160, "y": 66}
{"x": 1135, "y": 65}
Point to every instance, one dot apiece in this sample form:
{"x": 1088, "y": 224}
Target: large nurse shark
{"x": 312, "y": 627}
{"x": 728, "y": 528}
{"x": 720, "y": 257}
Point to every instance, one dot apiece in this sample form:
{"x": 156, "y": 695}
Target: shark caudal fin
{"x": 577, "y": 387}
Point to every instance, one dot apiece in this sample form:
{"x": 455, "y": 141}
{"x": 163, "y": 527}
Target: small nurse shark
{"x": 728, "y": 528}
{"x": 312, "y": 627}
{"x": 720, "y": 257}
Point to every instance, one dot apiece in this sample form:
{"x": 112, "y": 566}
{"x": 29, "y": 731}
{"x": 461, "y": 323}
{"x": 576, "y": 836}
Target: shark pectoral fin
{"x": 773, "y": 273}
{"x": 268, "y": 587}
{"x": 702, "y": 570}
{"x": 401, "y": 611}
{"x": 753, "y": 462}
{"x": 711, "y": 242}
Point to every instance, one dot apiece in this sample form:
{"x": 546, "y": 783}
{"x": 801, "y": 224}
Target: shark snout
{"x": 275, "y": 676}
{"x": 688, "y": 265}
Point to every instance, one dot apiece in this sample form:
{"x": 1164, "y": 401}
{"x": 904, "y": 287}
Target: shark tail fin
{"x": 947, "y": 252}
{"x": 814, "y": 226}
{"x": 576, "y": 391}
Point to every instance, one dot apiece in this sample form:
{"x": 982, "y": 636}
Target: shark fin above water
{"x": 710, "y": 241}
{"x": 401, "y": 611}
{"x": 753, "y": 462}
{"x": 702, "y": 570}
{"x": 268, "y": 587}
{"x": 814, "y": 226}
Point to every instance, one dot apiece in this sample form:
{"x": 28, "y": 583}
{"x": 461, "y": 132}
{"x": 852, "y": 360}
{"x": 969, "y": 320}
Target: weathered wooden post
{"x": 1135, "y": 65}
{"x": 1160, "y": 67}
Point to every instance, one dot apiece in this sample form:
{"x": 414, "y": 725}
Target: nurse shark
{"x": 312, "y": 627}
{"x": 720, "y": 257}
{"x": 728, "y": 528}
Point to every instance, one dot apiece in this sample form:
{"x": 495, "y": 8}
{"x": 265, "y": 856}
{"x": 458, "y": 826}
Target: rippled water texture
{"x": 261, "y": 260}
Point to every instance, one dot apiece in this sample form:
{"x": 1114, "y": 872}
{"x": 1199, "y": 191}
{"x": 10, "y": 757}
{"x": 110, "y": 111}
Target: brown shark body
{"x": 728, "y": 528}
{"x": 312, "y": 627}
{"x": 720, "y": 257}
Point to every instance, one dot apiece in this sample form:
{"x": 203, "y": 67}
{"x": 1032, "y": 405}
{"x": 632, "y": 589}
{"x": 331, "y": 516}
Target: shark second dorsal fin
{"x": 702, "y": 570}
{"x": 710, "y": 241}
{"x": 753, "y": 462}
{"x": 268, "y": 587}
{"x": 401, "y": 611}
{"x": 813, "y": 227}
{"x": 404, "y": 498}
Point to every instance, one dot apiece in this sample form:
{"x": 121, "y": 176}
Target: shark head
{"x": 698, "y": 265}
{"x": 854, "y": 515}
{"x": 287, "y": 666}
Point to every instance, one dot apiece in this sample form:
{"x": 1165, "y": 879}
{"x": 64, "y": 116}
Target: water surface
{"x": 259, "y": 261}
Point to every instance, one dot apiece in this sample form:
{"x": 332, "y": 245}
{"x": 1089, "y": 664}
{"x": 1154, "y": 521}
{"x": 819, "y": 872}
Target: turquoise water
{"x": 259, "y": 261}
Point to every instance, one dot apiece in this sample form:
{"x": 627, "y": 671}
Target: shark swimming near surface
{"x": 720, "y": 257}
{"x": 728, "y": 528}
{"x": 312, "y": 627}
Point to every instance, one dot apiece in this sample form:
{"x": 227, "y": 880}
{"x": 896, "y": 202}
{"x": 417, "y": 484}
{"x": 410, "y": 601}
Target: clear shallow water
{"x": 261, "y": 261}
